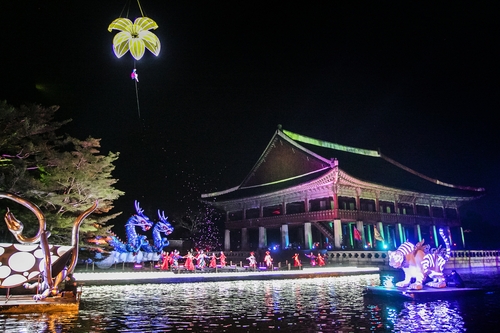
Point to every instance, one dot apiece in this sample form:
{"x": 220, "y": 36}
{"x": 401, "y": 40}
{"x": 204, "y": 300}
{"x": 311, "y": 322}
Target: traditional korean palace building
{"x": 317, "y": 194}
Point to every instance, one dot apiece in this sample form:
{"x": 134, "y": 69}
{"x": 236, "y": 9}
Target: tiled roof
{"x": 287, "y": 163}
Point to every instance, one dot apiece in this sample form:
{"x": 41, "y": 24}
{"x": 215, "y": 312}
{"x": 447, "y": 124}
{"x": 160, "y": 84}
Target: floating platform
{"x": 424, "y": 294}
{"x": 26, "y": 304}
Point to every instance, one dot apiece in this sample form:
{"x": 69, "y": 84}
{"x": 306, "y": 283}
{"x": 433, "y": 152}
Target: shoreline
{"x": 144, "y": 277}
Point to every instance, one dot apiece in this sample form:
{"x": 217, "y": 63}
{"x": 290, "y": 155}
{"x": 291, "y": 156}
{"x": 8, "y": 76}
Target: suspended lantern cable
{"x": 140, "y": 8}
{"x": 136, "y": 81}
{"x": 137, "y": 93}
{"x": 127, "y": 5}
{"x": 133, "y": 31}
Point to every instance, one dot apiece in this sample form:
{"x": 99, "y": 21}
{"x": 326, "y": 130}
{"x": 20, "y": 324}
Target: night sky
{"x": 417, "y": 80}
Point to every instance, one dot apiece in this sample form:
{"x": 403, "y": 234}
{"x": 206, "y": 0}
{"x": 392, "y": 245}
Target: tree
{"x": 61, "y": 174}
{"x": 198, "y": 221}
{"x": 25, "y": 133}
{"x": 203, "y": 228}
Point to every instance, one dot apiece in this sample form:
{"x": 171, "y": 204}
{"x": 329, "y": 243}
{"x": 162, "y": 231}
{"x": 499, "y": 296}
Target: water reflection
{"x": 39, "y": 322}
{"x": 437, "y": 316}
{"x": 302, "y": 305}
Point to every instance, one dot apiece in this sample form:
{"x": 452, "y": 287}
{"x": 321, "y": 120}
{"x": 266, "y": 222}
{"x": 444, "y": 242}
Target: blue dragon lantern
{"x": 137, "y": 248}
{"x": 134, "y": 240}
{"x": 163, "y": 226}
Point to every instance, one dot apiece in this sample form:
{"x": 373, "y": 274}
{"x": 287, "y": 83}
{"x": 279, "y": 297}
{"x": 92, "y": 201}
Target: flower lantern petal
{"x": 137, "y": 48}
{"x": 121, "y": 43}
{"x": 145, "y": 23}
{"x": 151, "y": 41}
{"x": 135, "y": 37}
{"x": 122, "y": 24}
{"x": 121, "y": 37}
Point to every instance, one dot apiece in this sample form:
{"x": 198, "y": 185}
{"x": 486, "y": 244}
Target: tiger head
{"x": 395, "y": 259}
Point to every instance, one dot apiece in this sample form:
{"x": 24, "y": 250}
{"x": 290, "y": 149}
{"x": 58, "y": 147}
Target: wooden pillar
{"x": 244, "y": 239}
{"x": 262, "y": 238}
{"x": 358, "y": 204}
{"x": 351, "y": 236}
{"x": 463, "y": 236}
{"x": 434, "y": 234}
{"x": 337, "y": 234}
{"x": 418, "y": 232}
{"x": 227, "y": 240}
{"x": 285, "y": 239}
{"x": 308, "y": 242}
{"x": 335, "y": 200}
{"x": 369, "y": 237}
{"x": 389, "y": 239}
{"x": 380, "y": 229}
{"x": 399, "y": 234}
{"x": 448, "y": 234}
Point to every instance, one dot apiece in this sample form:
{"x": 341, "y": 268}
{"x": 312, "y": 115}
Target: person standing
{"x": 188, "y": 264}
{"x": 175, "y": 259}
{"x": 296, "y": 260}
{"x": 312, "y": 258}
{"x": 222, "y": 258}
{"x": 201, "y": 260}
{"x": 321, "y": 260}
{"x": 252, "y": 262}
{"x": 268, "y": 260}
{"x": 213, "y": 261}
{"x": 165, "y": 260}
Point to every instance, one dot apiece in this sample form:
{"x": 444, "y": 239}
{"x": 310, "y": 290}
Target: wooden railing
{"x": 344, "y": 215}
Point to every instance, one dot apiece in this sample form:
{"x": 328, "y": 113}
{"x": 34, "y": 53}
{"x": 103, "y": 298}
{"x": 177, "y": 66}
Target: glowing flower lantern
{"x": 135, "y": 37}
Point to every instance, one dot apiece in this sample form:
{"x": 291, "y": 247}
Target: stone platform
{"x": 158, "y": 276}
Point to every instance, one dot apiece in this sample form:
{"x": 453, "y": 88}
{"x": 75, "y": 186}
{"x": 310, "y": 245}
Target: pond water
{"x": 298, "y": 305}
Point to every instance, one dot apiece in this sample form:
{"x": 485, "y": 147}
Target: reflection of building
{"x": 307, "y": 191}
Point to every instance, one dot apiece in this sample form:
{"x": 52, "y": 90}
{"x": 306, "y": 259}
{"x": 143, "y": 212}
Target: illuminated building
{"x": 321, "y": 194}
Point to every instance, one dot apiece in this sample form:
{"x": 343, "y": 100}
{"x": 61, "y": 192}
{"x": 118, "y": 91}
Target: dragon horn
{"x": 138, "y": 208}
{"x": 162, "y": 217}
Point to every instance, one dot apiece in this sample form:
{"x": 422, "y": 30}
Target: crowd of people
{"x": 192, "y": 260}
{"x": 318, "y": 260}
{"x": 199, "y": 259}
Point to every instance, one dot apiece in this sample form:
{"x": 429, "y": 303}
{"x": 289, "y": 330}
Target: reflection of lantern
{"x": 388, "y": 281}
{"x": 438, "y": 315}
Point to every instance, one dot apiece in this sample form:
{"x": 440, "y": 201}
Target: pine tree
{"x": 60, "y": 174}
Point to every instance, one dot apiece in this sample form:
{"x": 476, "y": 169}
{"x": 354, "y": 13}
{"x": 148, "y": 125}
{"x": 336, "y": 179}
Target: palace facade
{"x": 307, "y": 193}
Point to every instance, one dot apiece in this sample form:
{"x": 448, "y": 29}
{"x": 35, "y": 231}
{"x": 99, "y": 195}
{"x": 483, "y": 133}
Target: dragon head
{"x": 141, "y": 220}
{"x": 163, "y": 225}
{"x": 14, "y": 225}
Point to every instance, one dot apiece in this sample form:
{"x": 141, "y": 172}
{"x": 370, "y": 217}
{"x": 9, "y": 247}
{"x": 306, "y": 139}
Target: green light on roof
{"x": 330, "y": 145}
